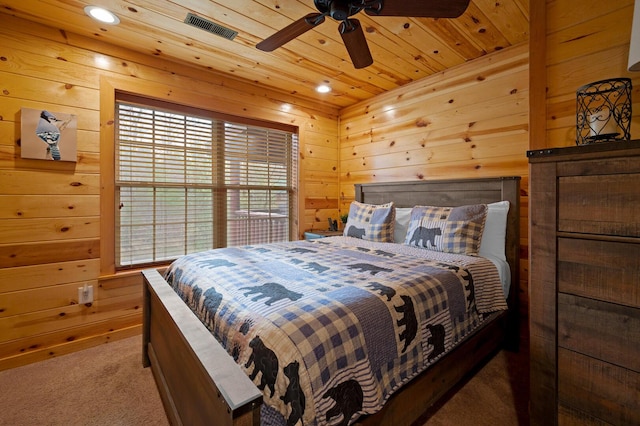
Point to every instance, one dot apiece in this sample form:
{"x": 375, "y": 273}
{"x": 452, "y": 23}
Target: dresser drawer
{"x": 569, "y": 416}
{"x": 603, "y": 270}
{"x": 601, "y": 330}
{"x": 600, "y": 390}
{"x": 600, "y": 204}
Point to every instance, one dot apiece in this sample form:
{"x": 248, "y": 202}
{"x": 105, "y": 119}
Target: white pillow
{"x": 495, "y": 231}
{"x": 403, "y": 217}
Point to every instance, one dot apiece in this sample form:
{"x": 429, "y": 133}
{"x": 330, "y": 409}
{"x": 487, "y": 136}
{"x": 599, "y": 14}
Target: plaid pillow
{"x": 371, "y": 222}
{"x": 447, "y": 229}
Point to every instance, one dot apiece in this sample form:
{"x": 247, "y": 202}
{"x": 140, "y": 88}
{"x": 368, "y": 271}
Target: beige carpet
{"x": 104, "y": 385}
{"x": 107, "y": 385}
{"x": 497, "y": 395}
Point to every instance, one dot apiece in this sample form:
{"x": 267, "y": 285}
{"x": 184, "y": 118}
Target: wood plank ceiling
{"x": 403, "y": 49}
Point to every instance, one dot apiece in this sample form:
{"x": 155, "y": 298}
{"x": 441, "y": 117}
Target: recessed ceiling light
{"x": 323, "y": 88}
{"x": 102, "y": 15}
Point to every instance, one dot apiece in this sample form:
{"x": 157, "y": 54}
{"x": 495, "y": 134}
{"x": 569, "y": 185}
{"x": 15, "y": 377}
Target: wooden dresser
{"x": 584, "y": 284}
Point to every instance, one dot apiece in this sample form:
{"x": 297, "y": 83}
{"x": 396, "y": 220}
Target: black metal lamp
{"x": 603, "y": 111}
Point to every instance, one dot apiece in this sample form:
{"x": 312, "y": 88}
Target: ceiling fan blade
{"x": 356, "y": 43}
{"x": 420, "y": 8}
{"x": 291, "y": 31}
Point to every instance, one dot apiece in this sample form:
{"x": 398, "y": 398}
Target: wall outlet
{"x": 85, "y": 294}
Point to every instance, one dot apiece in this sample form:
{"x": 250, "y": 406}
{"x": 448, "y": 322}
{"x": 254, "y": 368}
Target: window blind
{"x": 187, "y": 183}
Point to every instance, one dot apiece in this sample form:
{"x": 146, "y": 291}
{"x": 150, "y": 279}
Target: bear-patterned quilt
{"x": 329, "y": 329}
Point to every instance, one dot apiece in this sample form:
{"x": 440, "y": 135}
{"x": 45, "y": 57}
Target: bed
{"x": 200, "y": 382}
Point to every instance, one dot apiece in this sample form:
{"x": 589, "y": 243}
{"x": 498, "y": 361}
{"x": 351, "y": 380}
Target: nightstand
{"x": 312, "y": 235}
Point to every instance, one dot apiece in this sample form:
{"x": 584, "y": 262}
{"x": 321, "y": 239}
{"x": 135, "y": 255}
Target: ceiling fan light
{"x": 102, "y": 15}
{"x": 323, "y": 88}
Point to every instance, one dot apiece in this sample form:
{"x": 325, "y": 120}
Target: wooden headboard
{"x": 458, "y": 192}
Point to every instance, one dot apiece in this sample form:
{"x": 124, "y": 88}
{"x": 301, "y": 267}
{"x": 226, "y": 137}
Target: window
{"x": 189, "y": 180}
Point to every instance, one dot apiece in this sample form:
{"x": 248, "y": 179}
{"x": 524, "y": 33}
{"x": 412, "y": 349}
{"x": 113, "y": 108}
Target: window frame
{"x": 113, "y": 90}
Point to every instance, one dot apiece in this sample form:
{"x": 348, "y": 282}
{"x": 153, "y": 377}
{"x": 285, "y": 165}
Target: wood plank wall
{"x": 51, "y": 227}
{"x": 585, "y": 42}
{"x": 468, "y": 121}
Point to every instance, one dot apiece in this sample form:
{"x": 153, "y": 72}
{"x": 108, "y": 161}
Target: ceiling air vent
{"x": 209, "y": 26}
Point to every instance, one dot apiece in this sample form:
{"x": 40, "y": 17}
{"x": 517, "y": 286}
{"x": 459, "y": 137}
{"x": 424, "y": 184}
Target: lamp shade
{"x": 634, "y": 45}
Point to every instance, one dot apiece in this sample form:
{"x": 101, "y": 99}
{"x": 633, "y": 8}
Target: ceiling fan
{"x": 350, "y": 28}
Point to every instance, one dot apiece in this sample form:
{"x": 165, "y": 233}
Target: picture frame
{"x": 47, "y": 135}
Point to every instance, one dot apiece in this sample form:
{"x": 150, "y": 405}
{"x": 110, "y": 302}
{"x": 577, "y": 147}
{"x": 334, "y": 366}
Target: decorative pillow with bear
{"x": 371, "y": 222}
{"x": 447, "y": 229}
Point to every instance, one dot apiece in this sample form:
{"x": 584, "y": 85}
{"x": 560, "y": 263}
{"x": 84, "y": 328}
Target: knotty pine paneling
{"x": 468, "y": 121}
{"x": 48, "y": 229}
{"x": 42, "y": 252}
{"x": 583, "y": 45}
{"x": 42, "y": 274}
{"x": 30, "y": 206}
{"x": 27, "y": 325}
{"x": 68, "y": 340}
{"x": 52, "y": 227}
